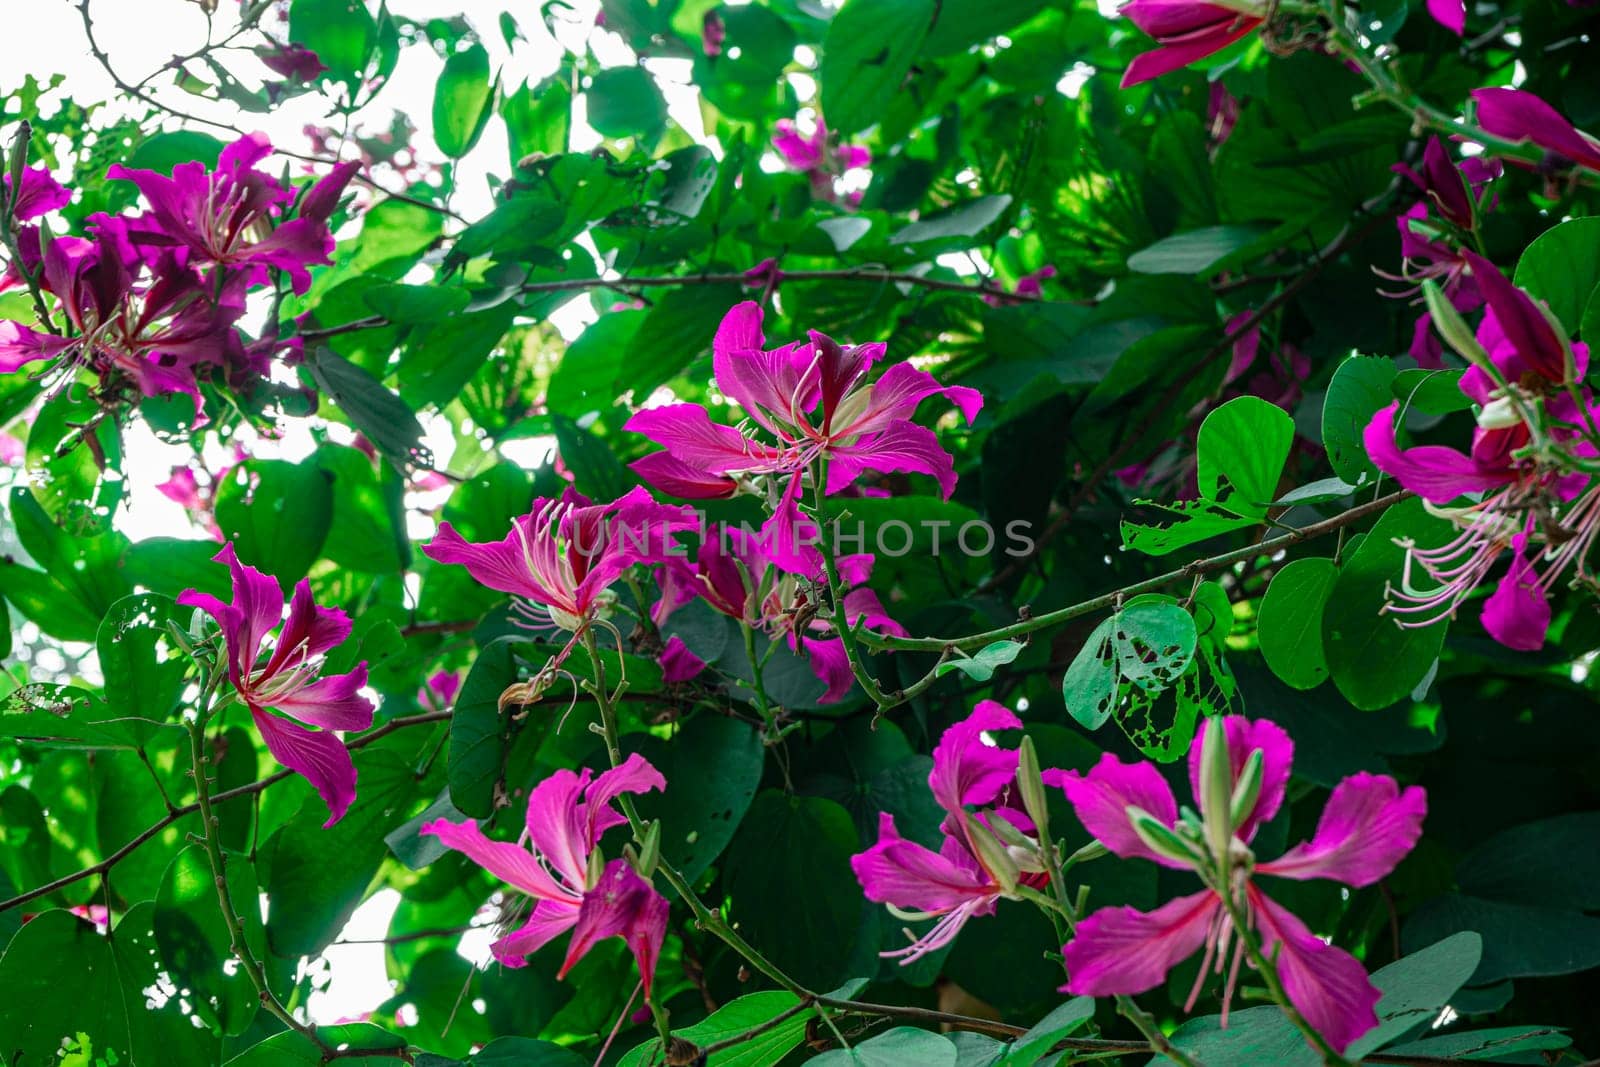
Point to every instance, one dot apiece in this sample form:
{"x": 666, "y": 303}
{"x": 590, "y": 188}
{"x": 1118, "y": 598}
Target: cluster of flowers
{"x": 151, "y": 300}
{"x": 1239, "y": 772}
{"x": 814, "y": 420}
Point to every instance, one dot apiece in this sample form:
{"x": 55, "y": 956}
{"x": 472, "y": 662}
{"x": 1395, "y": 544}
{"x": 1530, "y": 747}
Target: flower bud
{"x": 1247, "y": 790}
{"x": 650, "y": 850}
{"x": 597, "y": 869}
{"x": 1454, "y": 329}
{"x": 993, "y": 855}
{"x": 1030, "y": 786}
{"x": 1216, "y": 790}
{"x": 1160, "y": 839}
{"x": 1499, "y": 414}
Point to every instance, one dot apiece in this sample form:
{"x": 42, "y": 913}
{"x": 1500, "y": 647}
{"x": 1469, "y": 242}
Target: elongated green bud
{"x": 1454, "y": 329}
{"x": 650, "y": 851}
{"x": 1160, "y": 839}
{"x": 1010, "y": 836}
{"x": 993, "y": 855}
{"x": 1247, "y": 790}
{"x": 1216, "y": 791}
{"x": 1030, "y": 785}
{"x": 597, "y": 867}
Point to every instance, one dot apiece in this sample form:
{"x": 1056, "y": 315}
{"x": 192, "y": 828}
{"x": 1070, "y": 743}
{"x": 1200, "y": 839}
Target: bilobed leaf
{"x": 1360, "y": 387}
{"x": 480, "y": 733}
{"x": 866, "y": 55}
{"x": 982, "y": 664}
{"x": 698, "y": 822}
{"x": 964, "y": 23}
{"x": 194, "y": 940}
{"x": 276, "y": 514}
{"x": 1194, "y": 252}
{"x": 899, "y": 1047}
{"x": 1548, "y": 862}
{"x": 734, "y": 1018}
{"x": 1417, "y": 986}
{"x": 537, "y": 118}
{"x": 415, "y": 304}
{"x": 1373, "y": 662}
{"x": 596, "y": 471}
{"x": 787, "y": 841}
{"x": 626, "y": 102}
{"x": 675, "y": 332}
{"x": 461, "y": 101}
{"x": 1519, "y": 940}
{"x": 1492, "y": 1044}
{"x": 1562, "y": 268}
{"x": 342, "y": 33}
{"x": 964, "y": 220}
{"x": 1290, "y": 621}
{"x": 1062, "y": 1022}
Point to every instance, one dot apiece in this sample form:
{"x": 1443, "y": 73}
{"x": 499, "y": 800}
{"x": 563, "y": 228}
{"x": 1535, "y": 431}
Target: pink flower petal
{"x": 1328, "y": 986}
{"x": 548, "y": 921}
{"x": 622, "y": 905}
{"x": 1244, "y": 737}
{"x": 1124, "y": 950}
{"x": 678, "y": 664}
{"x": 1368, "y": 826}
{"x": 316, "y": 755}
{"x": 903, "y": 873}
{"x": 333, "y": 702}
{"x": 1102, "y": 797}
{"x": 511, "y": 863}
{"x": 968, "y": 770}
{"x": 1434, "y": 472}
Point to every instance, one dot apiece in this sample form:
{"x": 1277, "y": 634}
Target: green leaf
{"x": 1243, "y": 446}
{"x": 1290, "y": 621}
{"x": 66, "y": 714}
{"x": 732, "y": 1019}
{"x": 480, "y": 735}
{"x": 461, "y": 101}
{"x": 626, "y": 102}
{"x": 866, "y": 54}
{"x": 1519, "y": 940}
{"x": 1549, "y": 862}
{"x": 316, "y": 875}
{"x": 68, "y": 986}
{"x": 277, "y": 514}
{"x": 1373, "y": 662}
{"x": 194, "y": 940}
{"x": 79, "y": 486}
{"x": 964, "y": 220}
{"x": 963, "y": 23}
{"x": 440, "y": 359}
{"x": 381, "y": 416}
{"x": 676, "y": 331}
{"x": 1562, "y": 268}
{"x": 144, "y": 669}
{"x": 291, "y": 1049}
{"x": 982, "y": 664}
{"x": 525, "y": 1052}
{"x": 697, "y": 823}
{"x": 1360, "y": 387}
{"x": 595, "y": 468}
{"x": 415, "y": 304}
{"x": 1193, "y": 252}
{"x": 1146, "y": 646}
{"x": 1416, "y": 987}
{"x": 342, "y": 33}
{"x": 785, "y": 842}
{"x": 903, "y": 1046}
{"x": 1492, "y": 1044}
{"x": 537, "y": 118}
{"x": 1062, "y": 1022}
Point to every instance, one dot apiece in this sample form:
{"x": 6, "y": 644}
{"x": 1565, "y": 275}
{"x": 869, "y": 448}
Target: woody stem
{"x": 841, "y": 622}
{"x": 707, "y": 918}
{"x": 238, "y": 943}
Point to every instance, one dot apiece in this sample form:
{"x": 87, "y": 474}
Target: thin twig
{"x": 250, "y": 789}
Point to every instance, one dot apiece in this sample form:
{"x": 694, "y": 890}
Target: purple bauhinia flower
{"x": 231, "y": 217}
{"x": 290, "y": 679}
{"x": 973, "y": 867}
{"x": 817, "y": 158}
{"x": 712, "y": 33}
{"x": 1431, "y": 235}
{"x": 293, "y": 62}
{"x": 562, "y": 558}
{"x": 439, "y": 691}
{"x": 145, "y": 321}
{"x": 815, "y": 402}
{"x": 740, "y": 575}
{"x": 1239, "y": 771}
{"x": 39, "y": 195}
{"x": 1518, "y": 115}
{"x": 1528, "y": 352}
{"x": 568, "y": 813}
{"x": 1186, "y": 30}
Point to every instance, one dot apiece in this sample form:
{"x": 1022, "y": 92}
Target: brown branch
{"x": 104, "y": 866}
{"x": 841, "y": 274}
{"x": 1107, "y": 600}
